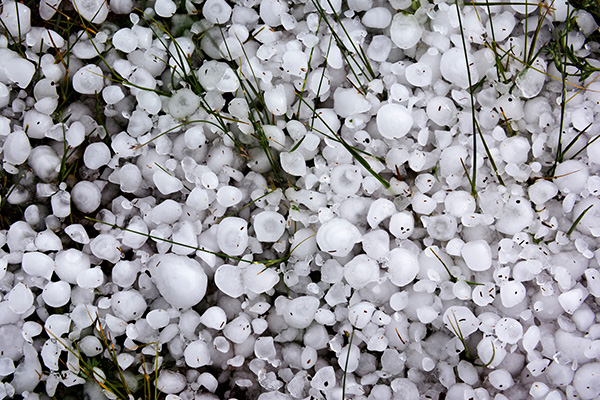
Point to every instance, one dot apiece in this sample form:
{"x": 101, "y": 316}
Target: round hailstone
{"x": 590, "y": 223}
{"x": 515, "y": 149}
{"x": 419, "y": 74}
{"x": 268, "y": 226}
{"x": 300, "y": 312}
{"x": 44, "y": 162}
{"x": 106, "y": 247}
{"x": 461, "y": 318}
{"x": 571, "y": 176}
{"x": 337, "y": 237}
{"x": 379, "y": 49}
{"x": 179, "y": 279}
{"x": 229, "y": 196}
{"x": 405, "y": 30}
{"x": 402, "y": 225}
{"x": 441, "y": 110}
{"x": 96, "y": 155}
{"x": 512, "y": 293}
{"x": 293, "y": 163}
{"x": 346, "y": 179}
{"x": 238, "y": 330}
{"x": 361, "y": 271}
{"x": 509, "y": 330}
{"x": 516, "y": 215}
{"x": 259, "y": 279}
{"x": 125, "y": 40}
{"x": 170, "y": 382}
{"x": 403, "y": 267}
{"x": 454, "y": 68}
{"x": 380, "y": 210}
{"x": 459, "y": 203}
{"x": 393, "y": 121}
{"x": 16, "y": 18}
{"x": 129, "y": 305}
{"x": 90, "y": 278}
{"x": 228, "y": 279}
{"x": 216, "y": 11}
{"x": 477, "y": 255}
{"x": 232, "y": 236}
{"x": 38, "y": 264}
{"x": 377, "y": 18}
{"x": 360, "y": 314}
{"x": 165, "y": 8}
{"x": 197, "y": 354}
{"x": 94, "y": 11}
{"x": 214, "y": 318}
{"x": 500, "y": 379}
{"x": 586, "y": 381}
{"x": 16, "y": 148}
{"x": 441, "y": 227}
{"x": 158, "y": 318}
{"x": 88, "y": 79}
{"x": 20, "y": 298}
{"x": 56, "y": 294}
{"x": 70, "y": 263}
{"x": 348, "y": 102}
{"x": 183, "y": 103}
{"x": 276, "y": 100}
{"x": 86, "y": 196}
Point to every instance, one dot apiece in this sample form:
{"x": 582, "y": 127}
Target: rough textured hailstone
{"x": 269, "y": 226}
{"x": 88, "y": 79}
{"x": 477, "y": 255}
{"x": 394, "y": 121}
{"x": 197, "y": 354}
{"x": 405, "y": 30}
{"x": 183, "y": 103}
{"x": 403, "y": 267}
{"x": 300, "y": 312}
{"x": 337, "y": 237}
{"x": 232, "y": 236}
{"x": 179, "y": 279}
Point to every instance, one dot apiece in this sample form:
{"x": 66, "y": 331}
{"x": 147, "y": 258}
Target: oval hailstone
{"x": 56, "y": 294}
{"x": 197, "y": 354}
{"x": 86, "y": 196}
{"x": 70, "y": 263}
{"x": 232, "y": 236}
{"x": 509, "y": 330}
{"x": 337, "y": 237}
{"x": 512, "y": 293}
{"x": 394, "y": 121}
{"x": 16, "y": 148}
{"x": 179, "y": 279}
{"x": 516, "y": 215}
{"x": 16, "y": 18}
{"x": 228, "y": 279}
{"x": 361, "y": 271}
{"x": 441, "y": 110}
{"x": 268, "y": 226}
{"x": 405, "y": 30}
{"x": 214, "y": 318}
{"x": 88, "y": 79}
{"x": 586, "y": 381}
{"x": 403, "y": 267}
{"x": 300, "y": 311}
{"x": 94, "y": 11}
{"x": 20, "y": 298}
{"x": 460, "y": 317}
{"x": 258, "y": 278}
{"x": 477, "y": 255}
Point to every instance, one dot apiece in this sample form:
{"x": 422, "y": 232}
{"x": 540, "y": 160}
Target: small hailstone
{"x": 405, "y": 30}
{"x": 86, "y": 196}
{"x": 90, "y": 278}
{"x": 477, "y": 255}
{"x": 106, "y": 247}
{"x": 337, "y": 237}
{"x": 216, "y": 11}
{"x": 346, "y": 179}
{"x": 380, "y": 210}
{"x": 377, "y": 18}
{"x": 403, "y": 267}
{"x": 88, "y": 79}
{"x": 349, "y": 358}
{"x": 300, "y": 312}
{"x": 571, "y": 176}
{"x": 460, "y": 317}
{"x": 56, "y": 294}
{"x": 16, "y": 148}
{"x": 441, "y": 110}
{"x": 238, "y": 330}
{"x": 295, "y": 63}
{"x": 586, "y": 381}
{"x": 512, "y": 293}
{"x": 440, "y": 227}
{"x": 515, "y": 149}
{"x": 166, "y": 183}
{"x": 402, "y": 225}
{"x": 542, "y": 191}
{"x": 183, "y": 103}
{"x": 125, "y": 40}
{"x": 500, "y": 379}
{"x": 516, "y": 215}
{"x": 128, "y": 305}
{"x": 348, "y": 102}
{"x": 570, "y": 301}
{"x": 197, "y": 354}
{"x": 214, "y": 318}
{"x": 165, "y": 8}
{"x": 171, "y": 382}
{"x": 229, "y": 196}
{"x": 394, "y": 121}
{"x": 361, "y": 271}
{"x": 70, "y": 263}
{"x": 259, "y": 279}
{"x": 376, "y": 243}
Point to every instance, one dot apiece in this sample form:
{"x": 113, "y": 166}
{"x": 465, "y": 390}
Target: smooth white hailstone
{"x": 402, "y": 225}
{"x": 512, "y": 293}
{"x": 349, "y": 358}
{"x": 158, "y": 318}
{"x": 214, "y": 318}
{"x": 337, "y": 237}
{"x": 531, "y": 81}
{"x": 94, "y": 11}
{"x": 377, "y": 18}
{"x": 500, "y": 379}
{"x": 477, "y": 255}
{"x": 542, "y": 191}
{"x": 300, "y": 312}
{"x": 460, "y": 317}
{"x": 44, "y": 162}
{"x": 515, "y": 149}
{"x": 403, "y": 267}
{"x": 170, "y": 382}
{"x": 90, "y": 278}
{"x": 295, "y": 63}
{"x": 125, "y": 40}
{"x": 346, "y": 179}
{"x": 570, "y": 301}
{"x": 106, "y": 247}
{"x": 276, "y": 100}
{"x": 232, "y": 236}
{"x": 228, "y": 279}
{"x": 394, "y": 121}
{"x": 379, "y": 49}
{"x": 56, "y": 294}
{"x": 441, "y": 110}
{"x": 112, "y": 94}
{"x": 268, "y": 226}
{"x": 37, "y": 124}
{"x": 376, "y": 243}
{"x": 571, "y": 176}
{"x": 238, "y": 330}
{"x": 38, "y": 264}
{"x": 86, "y": 196}
{"x": 589, "y": 224}
{"x": 70, "y": 263}
{"x": 183, "y": 103}
{"x": 419, "y": 74}
{"x": 586, "y": 381}
{"x": 348, "y": 102}
{"x": 293, "y": 163}
{"x": 229, "y": 196}
{"x": 16, "y": 148}
{"x": 454, "y": 68}
{"x": 167, "y": 212}
{"x": 20, "y": 298}
{"x": 19, "y": 71}
{"x": 130, "y": 178}
{"x": 509, "y": 330}
{"x": 324, "y": 379}
{"x": 538, "y": 390}
{"x": 166, "y": 183}
{"x": 165, "y": 8}
{"x": 197, "y": 354}
{"x": 91, "y": 346}
{"x": 405, "y": 30}
{"x": 128, "y": 305}
{"x": 259, "y": 279}
{"x": 16, "y": 18}
{"x": 96, "y": 155}
{"x": 441, "y": 227}
{"x": 88, "y": 79}
{"x": 216, "y": 11}
{"x": 427, "y": 314}
{"x": 459, "y": 203}
{"x": 380, "y": 210}
{"x": 180, "y": 280}
{"x": 516, "y": 215}
{"x": 361, "y": 271}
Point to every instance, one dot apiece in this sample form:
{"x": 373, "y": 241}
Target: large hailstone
{"x": 337, "y": 237}
{"x": 179, "y": 279}
{"x": 405, "y": 30}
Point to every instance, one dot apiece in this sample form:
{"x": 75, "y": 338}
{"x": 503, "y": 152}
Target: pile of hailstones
{"x": 378, "y": 288}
